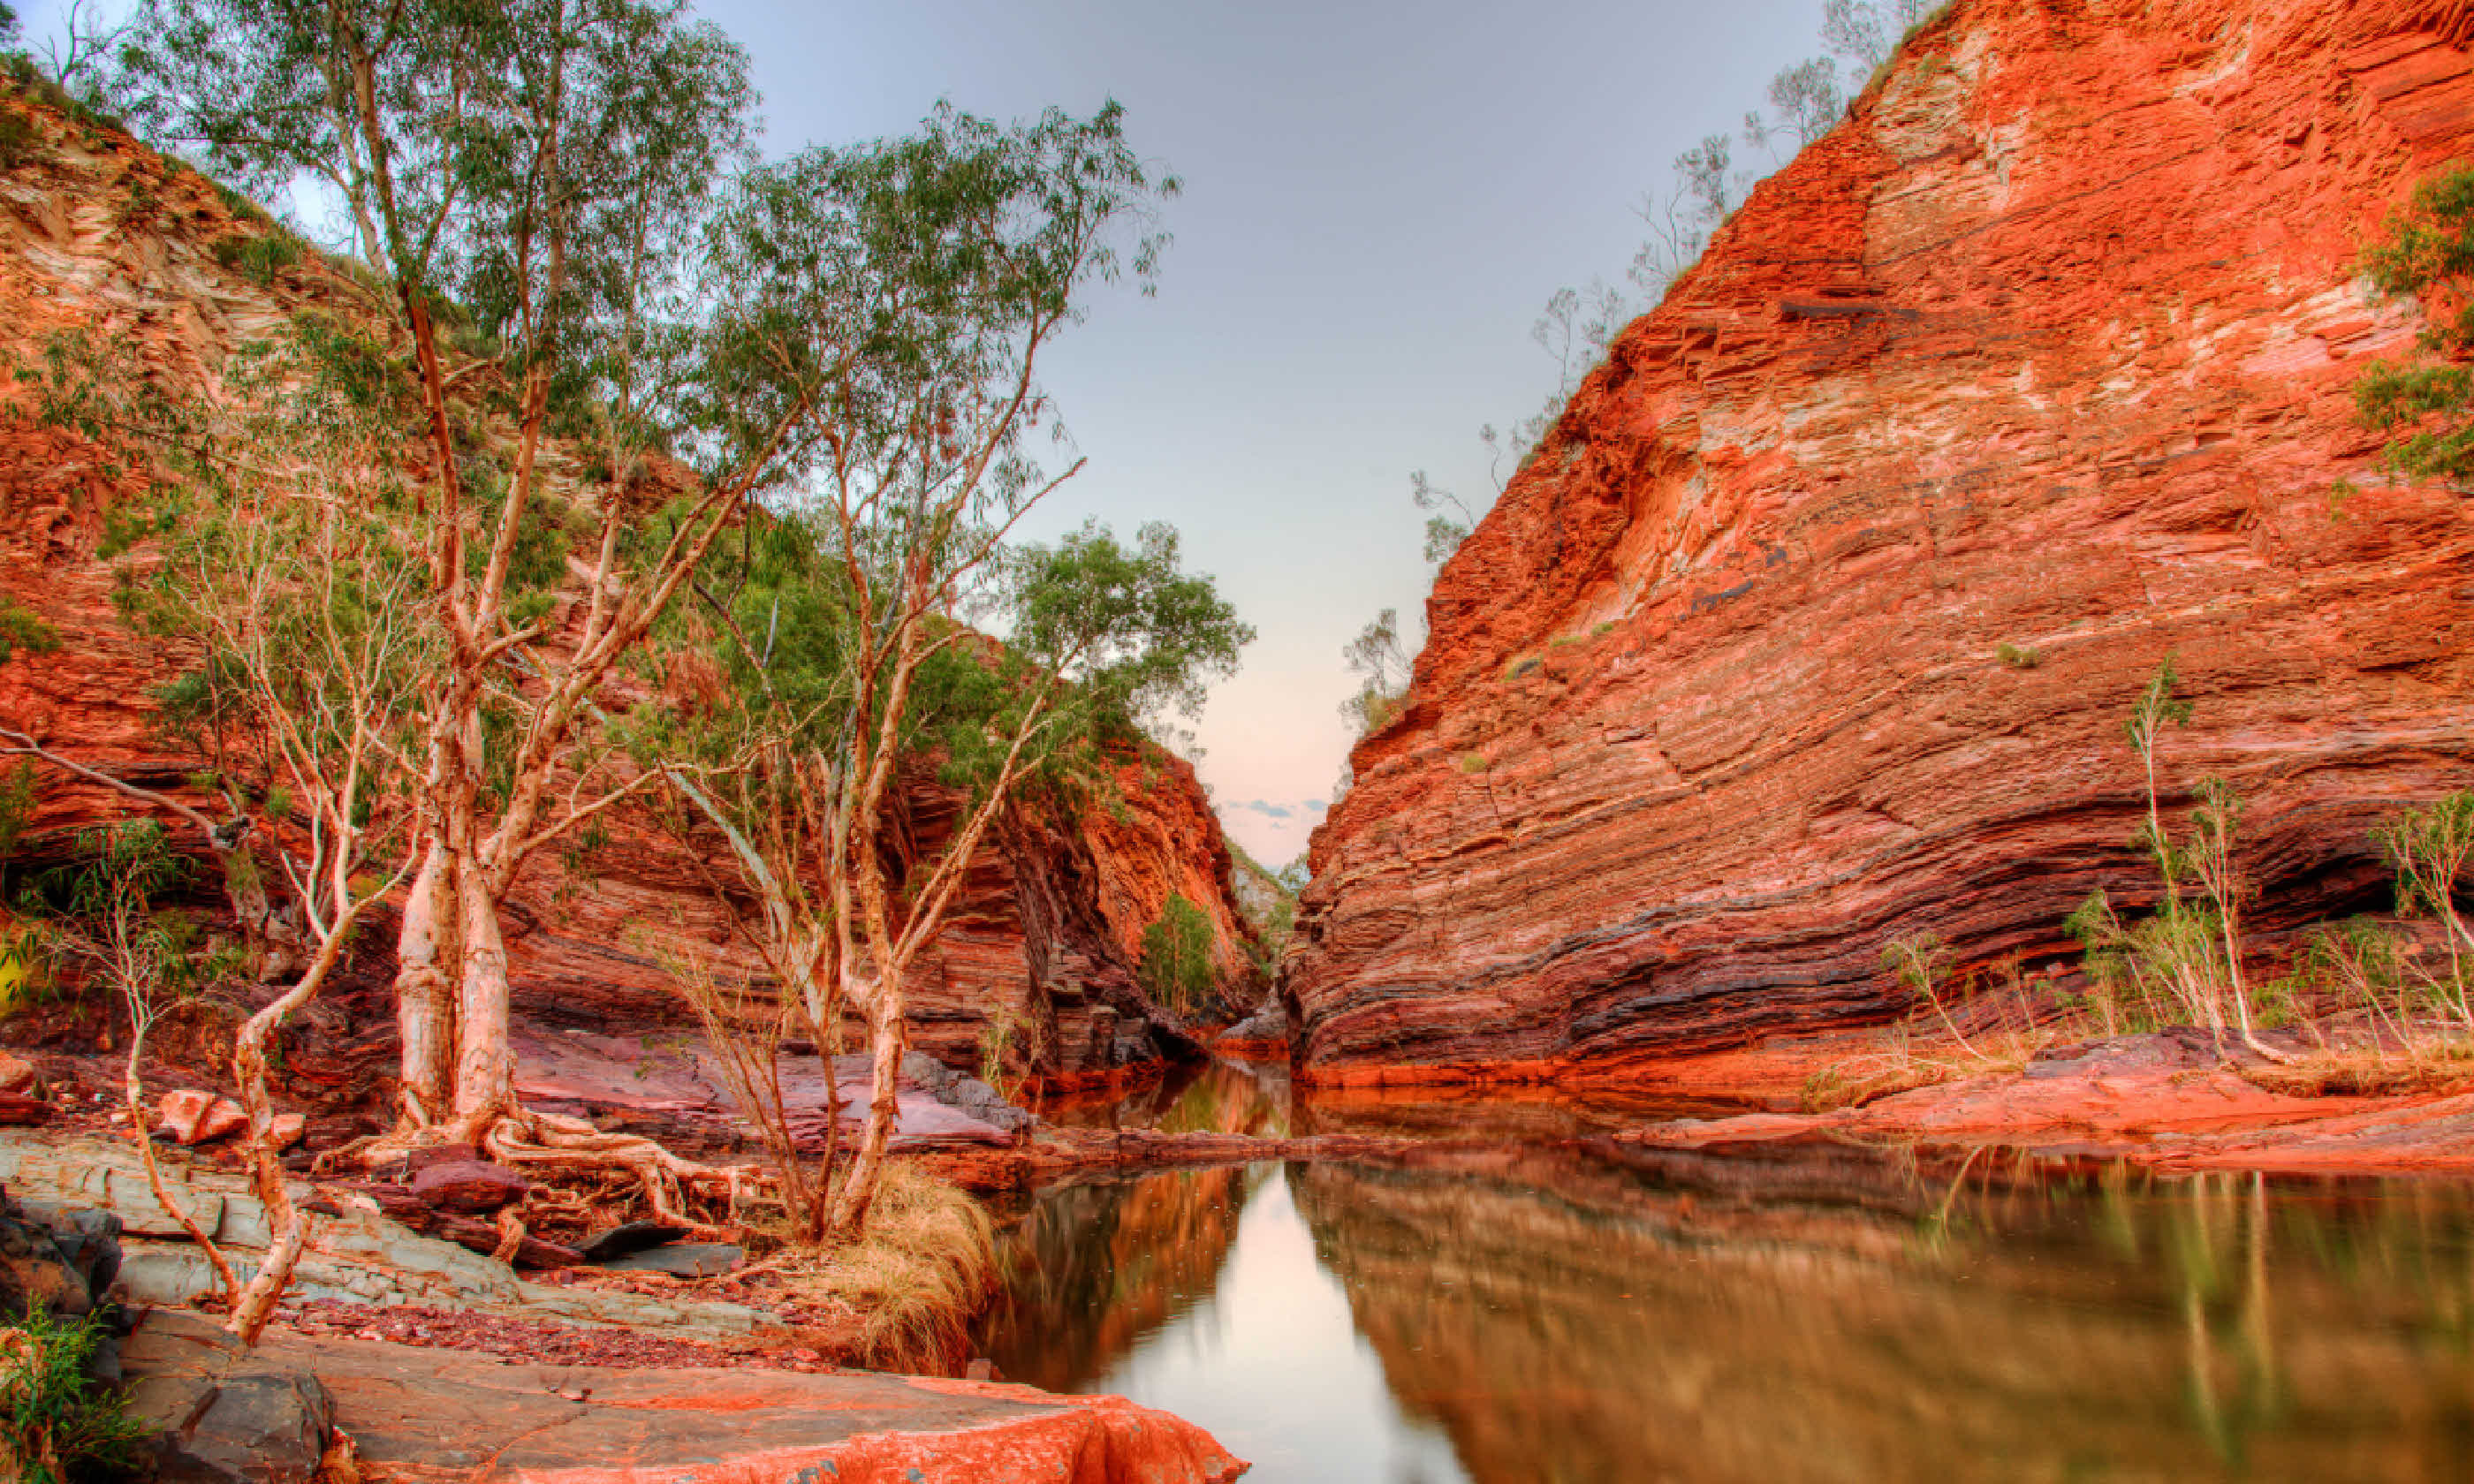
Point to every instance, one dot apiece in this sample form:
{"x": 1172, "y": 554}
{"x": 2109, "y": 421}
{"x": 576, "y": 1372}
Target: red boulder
{"x": 468, "y": 1187}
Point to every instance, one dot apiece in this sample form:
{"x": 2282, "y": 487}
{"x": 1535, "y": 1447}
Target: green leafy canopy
{"x": 2427, "y": 407}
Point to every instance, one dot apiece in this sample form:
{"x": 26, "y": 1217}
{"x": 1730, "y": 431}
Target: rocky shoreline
{"x": 626, "y": 1369}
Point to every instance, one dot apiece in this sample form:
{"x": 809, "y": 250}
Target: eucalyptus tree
{"x": 536, "y": 172}
{"x": 307, "y": 607}
{"x": 881, "y": 315}
{"x": 288, "y": 592}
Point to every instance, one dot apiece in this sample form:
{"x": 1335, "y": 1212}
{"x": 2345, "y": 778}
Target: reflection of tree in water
{"x": 1202, "y": 1097}
{"x": 1095, "y": 1267}
{"x": 1838, "y": 1315}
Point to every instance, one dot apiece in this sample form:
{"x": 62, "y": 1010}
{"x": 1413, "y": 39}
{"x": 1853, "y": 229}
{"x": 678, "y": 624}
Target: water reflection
{"x": 1227, "y": 1096}
{"x": 1826, "y": 1314}
{"x": 1216, "y": 1096}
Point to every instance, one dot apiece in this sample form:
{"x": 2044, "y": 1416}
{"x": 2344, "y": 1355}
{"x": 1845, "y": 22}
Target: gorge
{"x": 1909, "y": 918}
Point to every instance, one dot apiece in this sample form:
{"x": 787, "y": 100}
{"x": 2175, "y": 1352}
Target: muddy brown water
{"x": 1550, "y": 1308}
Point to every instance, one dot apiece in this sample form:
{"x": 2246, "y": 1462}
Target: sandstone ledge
{"x": 2154, "y": 1100}
{"x": 445, "y": 1417}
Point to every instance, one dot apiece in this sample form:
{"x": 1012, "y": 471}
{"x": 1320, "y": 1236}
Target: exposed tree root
{"x": 678, "y": 1191}
{"x": 511, "y": 1235}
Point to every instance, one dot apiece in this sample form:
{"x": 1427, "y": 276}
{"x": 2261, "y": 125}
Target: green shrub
{"x": 1523, "y": 666}
{"x": 2019, "y": 657}
{"x": 239, "y": 204}
{"x": 57, "y": 1426}
{"x": 19, "y": 627}
{"x": 16, "y": 805}
{"x": 19, "y": 140}
{"x": 2426, "y": 405}
{"x": 258, "y": 256}
{"x": 1472, "y": 763}
{"x": 1176, "y": 955}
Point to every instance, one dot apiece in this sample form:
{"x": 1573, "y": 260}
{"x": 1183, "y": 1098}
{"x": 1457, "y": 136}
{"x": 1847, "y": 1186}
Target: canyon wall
{"x": 2047, "y": 346}
{"x": 99, "y": 236}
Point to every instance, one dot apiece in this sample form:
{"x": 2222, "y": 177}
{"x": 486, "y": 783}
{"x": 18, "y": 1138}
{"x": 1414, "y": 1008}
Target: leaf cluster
{"x": 57, "y": 1424}
{"x": 2428, "y": 406}
{"x": 22, "y": 629}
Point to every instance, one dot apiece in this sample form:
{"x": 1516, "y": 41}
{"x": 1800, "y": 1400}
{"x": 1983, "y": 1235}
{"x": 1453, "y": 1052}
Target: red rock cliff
{"x": 96, "y": 235}
{"x": 2047, "y": 345}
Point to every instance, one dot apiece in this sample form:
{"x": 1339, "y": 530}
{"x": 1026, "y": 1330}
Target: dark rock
{"x": 335, "y": 1131}
{"x": 36, "y": 1274}
{"x": 253, "y": 1426}
{"x": 468, "y": 1187}
{"x": 89, "y": 1241}
{"x": 929, "y": 1072}
{"x": 63, "y": 1260}
{"x": 634, "y": 1236}
{"x": 684, "y": 1260}
{"x": 17, "y": 1110}
{"x": 1135, "y": 1044}
{"x": 474, "y": 1235}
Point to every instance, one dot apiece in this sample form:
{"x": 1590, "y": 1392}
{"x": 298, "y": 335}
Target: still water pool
{"x": 1569, "y": 1310}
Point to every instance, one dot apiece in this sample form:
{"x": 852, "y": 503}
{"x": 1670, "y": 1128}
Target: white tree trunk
{"x": 889, "y": 1037}
{"x": 424, "y": 1008}
{"x": 485, "y": 1061}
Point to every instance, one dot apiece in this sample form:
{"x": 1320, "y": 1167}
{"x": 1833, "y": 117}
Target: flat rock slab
{"x": 670, "y": 1076}
{"x": 359, "y": 1258}
{"x": 449, "y": 1417}
{"x": 225, "y": 1414}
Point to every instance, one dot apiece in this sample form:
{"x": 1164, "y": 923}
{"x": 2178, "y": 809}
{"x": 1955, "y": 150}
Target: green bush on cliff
{"x": 1176, "y": 955}
{"x": 19, "y": 142}
{"x": 259, "y": 257}
{"x": 2427, "y": 406}
{"x": 20, "y": 629}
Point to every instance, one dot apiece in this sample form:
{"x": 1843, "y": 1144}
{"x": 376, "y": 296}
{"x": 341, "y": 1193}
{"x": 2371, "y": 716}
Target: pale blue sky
{"x": 1379, "y": 197}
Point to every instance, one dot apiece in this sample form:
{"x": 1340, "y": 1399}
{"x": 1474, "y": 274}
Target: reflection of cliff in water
{"x": 1221, "y": 1095}
{"x": 1843, "y": 1317}
{"x": 1096, "y": 1266}
{"x": 1214, "y": 1096}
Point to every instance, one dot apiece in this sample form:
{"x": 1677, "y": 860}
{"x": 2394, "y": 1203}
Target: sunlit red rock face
{"x": 96, "y": 236}
{"x": 2048, "y": 345}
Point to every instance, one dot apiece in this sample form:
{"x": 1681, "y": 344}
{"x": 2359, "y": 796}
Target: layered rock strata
{"x": 1813, "y": 621}
{"x": 100, "y": 238}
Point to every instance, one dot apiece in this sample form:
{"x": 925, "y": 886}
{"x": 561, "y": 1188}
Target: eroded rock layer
{"x": 101, "y": 239}
{"x": 2048, "y": 346}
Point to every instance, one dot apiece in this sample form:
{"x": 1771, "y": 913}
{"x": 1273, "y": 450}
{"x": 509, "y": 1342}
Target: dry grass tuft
{"x": 906, "y": 1290}
{"x": 2436, "y": 1066}
{"x": 1901, "y": 1067}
